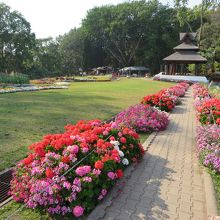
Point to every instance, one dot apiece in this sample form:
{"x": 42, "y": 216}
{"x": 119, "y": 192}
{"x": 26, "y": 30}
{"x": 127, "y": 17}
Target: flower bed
{"x": 207, "y": 107}
{"x": 165, "y": 99}
{"x": 208, "y": 133}
{"x": 29, "y": 88}
{"x": 200, "y": 91}
{"x": 142, "y": 118}
{"x": 69, "y": 173}
{"x": 208, "y": 111}
{"x": 208, "y": 142}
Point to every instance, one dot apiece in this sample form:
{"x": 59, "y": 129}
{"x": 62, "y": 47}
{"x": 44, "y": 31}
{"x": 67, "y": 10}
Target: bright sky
{"x": 56, "y": 17}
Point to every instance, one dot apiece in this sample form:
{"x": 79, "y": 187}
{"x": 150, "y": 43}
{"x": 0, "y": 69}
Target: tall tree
{"x": 71, "y": 50}
{"x": 16, "y": 40}
{"x": 132, "y": 33}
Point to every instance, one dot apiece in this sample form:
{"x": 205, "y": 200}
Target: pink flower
{"x": 73, "y": 149}
{"x": 100, "y": 197}
{"x": 96, "y": 172}
{"x": 78, "y": 211}
{"x": 83, "y": 170}
{"x": 87, "y": 179}
{"x": 111, "y": 175}
{"x": 112, "y": 138}
{"x": 105, "y": 133}
{"x": 85, "y": 149}
{"x": 66, "y": 185}
{"x": 119, "y": 134}
{"x": 104, "y": 192}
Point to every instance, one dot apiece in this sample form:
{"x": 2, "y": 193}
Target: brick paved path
{"x": 168, "y": 183}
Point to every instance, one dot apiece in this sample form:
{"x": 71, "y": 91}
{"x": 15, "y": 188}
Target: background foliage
{"x": 130, "y": 33}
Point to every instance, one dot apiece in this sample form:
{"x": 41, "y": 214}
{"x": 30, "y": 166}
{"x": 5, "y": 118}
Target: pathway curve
{"x": 168, "y": 183}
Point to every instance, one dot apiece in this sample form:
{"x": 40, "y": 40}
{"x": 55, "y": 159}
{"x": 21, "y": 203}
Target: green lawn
{"x": 25, "y": 117}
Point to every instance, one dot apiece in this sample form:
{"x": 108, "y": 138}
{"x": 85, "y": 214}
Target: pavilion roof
{"x": 185, "y": 46}
{"x": 185, "y": 57}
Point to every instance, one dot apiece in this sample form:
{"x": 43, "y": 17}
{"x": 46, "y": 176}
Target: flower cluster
{"x": 200, "y": 91}
{"x": 143, "y": 118}
{"x": 208, "y": 143}
{"x": 29, "y": 88}
{"x": 69, "y": 173}
{"x": 166, "y": 99}
{"x": 208, "y": 111}
{"x": 207, "y": 108}
{"x": 208, "y": 132}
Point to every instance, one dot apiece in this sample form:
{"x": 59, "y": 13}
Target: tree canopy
{"x": 16, "y": 40}
{"x": 130, "y": 33}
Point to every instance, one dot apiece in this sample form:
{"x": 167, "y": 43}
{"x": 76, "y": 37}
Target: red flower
{"x": 65, "y": 159}
{"x": 28, "y": 160}
{"x": 99, "y": 165}
{"x": 218, "y": 121}
{"x": 123, "y": 140}
{"x": 119, "y": 173}
{"x": 49, "y": 173}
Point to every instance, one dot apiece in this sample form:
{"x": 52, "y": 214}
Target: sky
{"x": 51, "y": 18}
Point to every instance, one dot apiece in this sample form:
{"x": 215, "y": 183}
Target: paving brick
{"x": 185, "y": 207}
{"x": 184, "y": 216}
{"x": 198, "y": 206}
{"x": 131, "y": 204}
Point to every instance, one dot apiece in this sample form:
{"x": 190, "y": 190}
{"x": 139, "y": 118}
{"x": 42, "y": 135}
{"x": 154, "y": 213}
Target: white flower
{"x": 121, "y": 154}
{"x": 125, "y": 161}
{"x": 116, "y": 147}
{"x": 116, "y": 143}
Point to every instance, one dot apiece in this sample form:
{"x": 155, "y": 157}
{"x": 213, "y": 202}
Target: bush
{"x": 17, "y": 78}
{"x": 166, "y": 99}
{"x": 200, "y": 91}
{"x": 208, "y": 111}
{"x": 208, "y": 139}
{"x": 142, "y": 118}
{"x": 56, "y": 178}
{"x": 160, "y": 101}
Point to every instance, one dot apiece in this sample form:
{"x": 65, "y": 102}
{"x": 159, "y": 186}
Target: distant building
{"x": 140, "y": 71}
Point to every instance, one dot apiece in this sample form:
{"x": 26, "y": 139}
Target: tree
{"x": 16, "y": 40}
{"x": 117, "y": 29}
{"x": 46, "y": 57}
{"x": 186, "y": 15}
{"x": 210, "y": 42}
{"x": 71, "y": 50}
{"x": 132, "y": 33}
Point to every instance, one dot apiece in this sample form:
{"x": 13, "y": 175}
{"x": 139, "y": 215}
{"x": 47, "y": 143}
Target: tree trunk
{"x": 201, "y": 24}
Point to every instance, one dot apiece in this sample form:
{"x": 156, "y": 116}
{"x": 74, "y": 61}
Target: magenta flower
{"x": 83, "y": 170}
{"x": 111, "y": 175}
{"x": 78, "y": 211}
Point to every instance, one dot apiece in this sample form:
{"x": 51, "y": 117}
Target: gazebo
{"x": 185, "y": 53}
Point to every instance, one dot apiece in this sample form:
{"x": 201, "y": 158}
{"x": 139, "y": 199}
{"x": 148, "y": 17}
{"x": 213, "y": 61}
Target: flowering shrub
{"x": 208, "y": 143}
{"x": 208, "y": 133}
{"x": 208, "y": 108}
{"x": 161, "y": 101}
{"x": 200, "y": 91}
{"x": 179, "y": 90}
{"x": 208, "y": 111}
{"x": 166, "y": 99}
{"x": 70, "y": 173}
{"x": 142, "y": 118}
